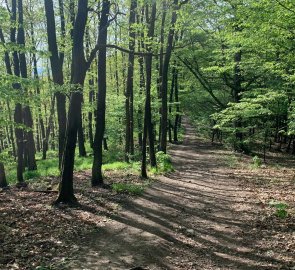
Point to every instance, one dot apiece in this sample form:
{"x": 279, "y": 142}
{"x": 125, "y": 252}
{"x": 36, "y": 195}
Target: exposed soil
{"x": 205, "y": 215}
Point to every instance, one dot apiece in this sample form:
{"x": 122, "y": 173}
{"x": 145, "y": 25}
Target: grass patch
{"x": 31, "y": 175}
{"x": 280, "y": 208}
{"x": 117, "y": 166}
{"x": 132, "y": 189}
{"x": 256, "y": 162}
{"x": 164, "y": 164}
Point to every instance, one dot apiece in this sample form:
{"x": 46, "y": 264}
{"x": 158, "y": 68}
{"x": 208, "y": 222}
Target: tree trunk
{"x": 164, "y": 86}
{"x": 97, "y": 177}
{"x": 3, "y": 182}
{"x": 90, "y": 113}
{"x": 148, "y": 127}
{"x": 28, "y": 118}
{"x": 176, "y": 100}
{"x": 129, "y": 144}
{"x": 36, "y": 76}
{"x": 81, "y": 138}
{"x": 237, "y": 90}
{"x": 66, "y": 190}
{"x": 49, "y": 126}
{"x": 18, "y": 117}
{"x": 56, "y": 61}
{"x": 161, "y": 58}
{"x": 170, "y": 126}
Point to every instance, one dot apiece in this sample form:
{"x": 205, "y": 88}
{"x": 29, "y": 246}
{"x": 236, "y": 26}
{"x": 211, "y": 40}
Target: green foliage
{"x": 256, "y": 162}
{"x": 28, "y": 175}
{"x": 117, "y": 166}
{"x": 164, "y": 163}
{"x": 281, "y": 208}
{"x": 132, "y": 189}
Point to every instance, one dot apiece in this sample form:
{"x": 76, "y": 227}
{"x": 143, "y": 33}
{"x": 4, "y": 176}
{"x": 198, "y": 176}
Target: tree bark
{"x": 28, "y": 118}
{"x": 176, "y": 100}
{"x": 97, "y": 177}
{"x": 18, "y": 117}
{"x": 141, "y": 78}
{"x": 129, "y": 144}
{"x": 81, "y": 138}
{"x": 148, "y": 127}
{"x": 164, "y": 86}
{"x": 79, "y": 68}
{"x": 3, "y": 181}
{"x": 161, "y": 57}
{"x": 56, "y": 61}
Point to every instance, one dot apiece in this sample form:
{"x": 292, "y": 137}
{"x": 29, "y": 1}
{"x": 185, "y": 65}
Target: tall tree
{"x": 78, "y": 73}
{"x": 27, "y": 114}
{"x": 129, "y": 144}
{"x": 164, "y": 79}
{"x": 56, "y": 61}
{"x": 97, "y": 177}
{"x": 148, "y": 126}
{"x": 18, "y": 115}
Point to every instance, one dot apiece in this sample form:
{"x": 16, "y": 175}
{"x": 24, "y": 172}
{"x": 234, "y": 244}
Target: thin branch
{"x": 202, "y": 80}
{"x": 112, "y": 46}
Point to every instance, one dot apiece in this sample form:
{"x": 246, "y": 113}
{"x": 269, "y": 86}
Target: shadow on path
{"x": 195, "y": 218}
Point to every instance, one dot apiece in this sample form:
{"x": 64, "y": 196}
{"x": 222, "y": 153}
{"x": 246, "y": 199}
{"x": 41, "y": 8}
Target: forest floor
{"x": 214, "y": 212}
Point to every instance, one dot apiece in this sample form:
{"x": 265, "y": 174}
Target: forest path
{"x": 197, "y": 217}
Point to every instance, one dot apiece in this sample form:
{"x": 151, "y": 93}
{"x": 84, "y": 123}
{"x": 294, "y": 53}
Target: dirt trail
{"x": 198, "y": 217}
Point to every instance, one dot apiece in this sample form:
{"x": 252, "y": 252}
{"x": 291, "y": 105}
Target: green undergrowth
{"x": 129, "y": 188}
{"x": 49, "y": 167}
{"x": 280, "y": 208}
{"x": 164, "y": 164}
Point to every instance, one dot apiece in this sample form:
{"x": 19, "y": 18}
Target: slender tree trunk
{"x": 177, "y": 117}
{"x": 161, "y": 59}
{"x": 79, "y": 68}
{"x": 36, "y": 76}
{"x": 90, "y": 113}
{"x": 28, "y": 118}
{"x": 49, "y": 126}
{"x": 116, "y": 62}
{"x": 148, "y": 127}
{"x": 3, "y": 182}
{"x": 97, "y": 177}
{"x": 129, "y": 144}
{"x": 90, "y": 94}
{"x": 237, "y": 90}
{"x": 81, "y": 138}
{"x": 18, "y": 117}
{"x": 141, "y": 78}
{"x": 164, "y": 86}
{"x": 170, "y": 126}
{"x": 56, "y": 61}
